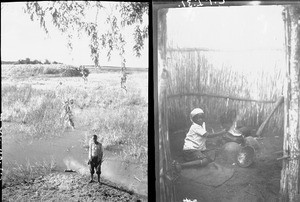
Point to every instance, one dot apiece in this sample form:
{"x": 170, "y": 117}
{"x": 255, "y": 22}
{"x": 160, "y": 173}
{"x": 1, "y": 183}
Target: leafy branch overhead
{"x": 74, "y": 17}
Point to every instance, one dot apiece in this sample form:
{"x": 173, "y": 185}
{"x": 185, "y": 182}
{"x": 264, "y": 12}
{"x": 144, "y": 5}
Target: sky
{"x": 205, "y": 27}
{"x": 227, "y": 28}
{"x": 247, "y": 37}
{"x": 22, "y": 38}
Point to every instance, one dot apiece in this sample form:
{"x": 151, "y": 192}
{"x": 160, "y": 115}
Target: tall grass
{"x": 126, "y": 127}
{"x": 39, "y": 110}
{"x": 20, "y": 173}
{"x": 119, "y": 119}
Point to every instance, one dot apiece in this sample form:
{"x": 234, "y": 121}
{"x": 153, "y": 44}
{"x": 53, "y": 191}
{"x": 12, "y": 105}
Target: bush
{"x": 52, "y": 70}
{"x": 71, "y": 71}
{"x": 66, "y": 71}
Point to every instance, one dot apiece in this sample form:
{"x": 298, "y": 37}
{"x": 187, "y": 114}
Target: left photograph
{"x": 74, "y": 101}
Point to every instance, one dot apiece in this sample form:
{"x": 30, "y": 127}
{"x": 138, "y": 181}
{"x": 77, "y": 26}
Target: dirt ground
{"x": 67, "y": 187}
{"x": 259, "y": 182}
{"x": 68, "y": 152}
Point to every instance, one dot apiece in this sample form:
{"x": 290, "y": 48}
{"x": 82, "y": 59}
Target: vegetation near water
{"x": 100, "y": 106}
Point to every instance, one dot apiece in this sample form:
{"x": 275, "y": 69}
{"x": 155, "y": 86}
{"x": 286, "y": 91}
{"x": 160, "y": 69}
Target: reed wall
{"x": 253, "y": 74}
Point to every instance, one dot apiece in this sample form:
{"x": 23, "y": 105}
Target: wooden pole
{"x": 218, "y": 50}
{"x": 289, "y": 183}
{"x": 166, "y": 174}
{"x": 263, "y": 125}
{"x": 165, "y": 187}
{"x": 220, "y": 96}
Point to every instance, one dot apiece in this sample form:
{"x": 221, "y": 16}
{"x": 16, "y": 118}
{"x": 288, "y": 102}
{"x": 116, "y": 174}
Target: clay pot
{"x": 245, "y": 157}
{"x": 228, "y": 153}
{"x": 251, "y": 141}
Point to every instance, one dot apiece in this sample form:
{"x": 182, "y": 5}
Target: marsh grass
{"x": 119, "y": 119}
{"x": 127, "y": 128}
{"x": 38, "y": 110}
{"x": 122, "y": 124}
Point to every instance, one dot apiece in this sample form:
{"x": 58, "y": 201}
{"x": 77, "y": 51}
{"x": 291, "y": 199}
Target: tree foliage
{"x": 28, "y": 61}
{"x": 34, "y": 62}
{"x": 70, "y": 18}
{"x": 47, "y": 62}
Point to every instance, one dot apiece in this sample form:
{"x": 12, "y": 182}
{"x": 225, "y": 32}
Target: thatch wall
{"x": 257, "y": 75}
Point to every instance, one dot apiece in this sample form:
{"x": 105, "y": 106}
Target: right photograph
{"x": 226, "y": 101}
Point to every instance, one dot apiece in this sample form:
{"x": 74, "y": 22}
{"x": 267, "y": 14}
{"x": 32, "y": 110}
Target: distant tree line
{"x": 28, "y": 61}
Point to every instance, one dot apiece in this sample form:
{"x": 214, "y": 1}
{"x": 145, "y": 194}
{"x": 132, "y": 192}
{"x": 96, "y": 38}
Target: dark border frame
{"x": 156, "y": 6}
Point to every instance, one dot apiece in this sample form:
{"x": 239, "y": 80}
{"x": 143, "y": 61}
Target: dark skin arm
{"x": 199, "y": 119}
{"x": 212, "y": 135}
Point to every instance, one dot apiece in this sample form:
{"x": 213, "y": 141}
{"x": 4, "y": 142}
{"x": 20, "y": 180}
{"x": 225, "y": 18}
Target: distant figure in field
{"x": 84, "y": 74}
{"x": 68, "y": 115}
{"x": 95, "y": 157}
{"x": 59, "y": 84}
{"x": 123, "y": 81}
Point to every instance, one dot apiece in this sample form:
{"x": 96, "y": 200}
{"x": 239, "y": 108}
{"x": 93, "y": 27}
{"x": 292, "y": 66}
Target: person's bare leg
{"x": 92, "y": 176}
{"x": 99, "y": 178}
{"x": 202, "y": 163}
{"x": 99, "y": 171}
{"x": 92, "y": 173}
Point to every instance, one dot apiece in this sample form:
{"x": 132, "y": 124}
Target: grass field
{"x": 32, "y": 108}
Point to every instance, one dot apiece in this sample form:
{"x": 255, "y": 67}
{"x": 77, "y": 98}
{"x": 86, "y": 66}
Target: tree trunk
{"x": 289, "y": 184}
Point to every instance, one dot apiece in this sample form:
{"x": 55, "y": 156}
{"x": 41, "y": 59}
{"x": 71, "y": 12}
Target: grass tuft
{"x": 26, "y": 173}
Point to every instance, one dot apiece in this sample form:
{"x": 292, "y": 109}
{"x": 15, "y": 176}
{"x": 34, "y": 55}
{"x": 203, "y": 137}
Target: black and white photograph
{"x": 167, "y": 101}
{"x": 227, "y": 101}
{"x": 74, "y": 100}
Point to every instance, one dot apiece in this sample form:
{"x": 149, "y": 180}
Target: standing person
{"x": 95, "y": 157}
{"x": 123, "y": 81}
{"x": 194, "y": 149}
{"x": 84, "y": 74}
{"x": 68, "y": 115}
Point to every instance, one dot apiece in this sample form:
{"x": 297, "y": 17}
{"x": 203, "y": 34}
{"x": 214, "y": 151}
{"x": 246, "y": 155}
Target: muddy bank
{"x": 68, "y": 187}
{"x": 68, "y": 152}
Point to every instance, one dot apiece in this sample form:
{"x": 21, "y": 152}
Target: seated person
{"x": 195, "y": 142}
